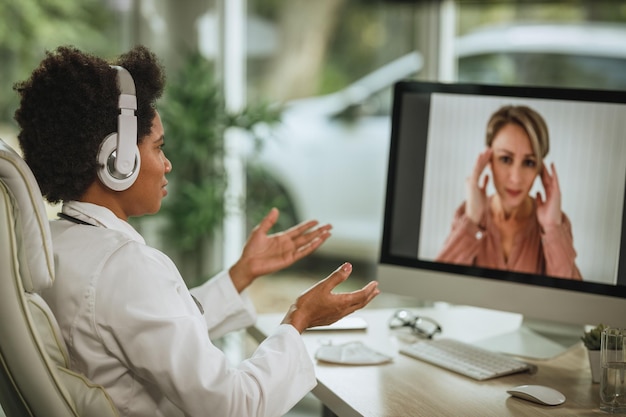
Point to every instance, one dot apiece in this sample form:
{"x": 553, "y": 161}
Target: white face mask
{"x": 351, "y": 353}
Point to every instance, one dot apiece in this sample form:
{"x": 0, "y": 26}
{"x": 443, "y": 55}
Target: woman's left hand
{"x": 267, "y": 253}
{"x": 549, "y": 210}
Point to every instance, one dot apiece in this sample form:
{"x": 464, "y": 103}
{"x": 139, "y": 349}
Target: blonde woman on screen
{"x": 512, "y": 230}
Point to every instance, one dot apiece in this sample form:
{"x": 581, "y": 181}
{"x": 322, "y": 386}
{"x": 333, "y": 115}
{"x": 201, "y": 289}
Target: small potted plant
{"x": 591, "y": 340}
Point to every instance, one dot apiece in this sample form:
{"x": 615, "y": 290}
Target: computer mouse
{"x": 538, "y": 393}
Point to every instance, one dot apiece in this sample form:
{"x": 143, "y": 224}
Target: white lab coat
{"x": 131, "y": 325}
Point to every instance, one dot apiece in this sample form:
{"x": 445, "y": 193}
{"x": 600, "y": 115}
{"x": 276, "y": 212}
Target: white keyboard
{"x": 465, "y": 359}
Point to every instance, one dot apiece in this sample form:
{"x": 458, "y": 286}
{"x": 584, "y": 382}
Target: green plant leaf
{"x": 195, "y": 118}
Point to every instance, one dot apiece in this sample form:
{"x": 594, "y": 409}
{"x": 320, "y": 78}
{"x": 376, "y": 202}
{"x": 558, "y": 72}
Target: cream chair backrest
{"x": 35, "y": 379}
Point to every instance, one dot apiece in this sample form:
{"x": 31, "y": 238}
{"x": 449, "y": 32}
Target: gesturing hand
{"x": 549, "y": 210}
{"x": 476, "y": 194}
{"x": 319, "y": 306}
{"x": 264, "y": 254}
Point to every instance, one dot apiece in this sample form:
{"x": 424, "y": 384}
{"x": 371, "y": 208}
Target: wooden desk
{"x": 408, "y": 387}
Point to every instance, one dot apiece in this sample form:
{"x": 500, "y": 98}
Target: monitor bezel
{"x": 525, "y": 285}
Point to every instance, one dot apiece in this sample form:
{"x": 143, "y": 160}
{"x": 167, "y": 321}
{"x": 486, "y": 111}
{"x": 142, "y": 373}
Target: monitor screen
{"x": 476, "y": 216}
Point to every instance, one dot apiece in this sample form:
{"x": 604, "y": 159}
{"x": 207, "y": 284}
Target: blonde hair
{"x": 528, "y": 119}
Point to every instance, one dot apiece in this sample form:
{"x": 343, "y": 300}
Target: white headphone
{"x": 119, "y": 155}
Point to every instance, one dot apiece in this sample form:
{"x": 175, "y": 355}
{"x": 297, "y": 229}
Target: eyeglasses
{"x": 420, "y": 326}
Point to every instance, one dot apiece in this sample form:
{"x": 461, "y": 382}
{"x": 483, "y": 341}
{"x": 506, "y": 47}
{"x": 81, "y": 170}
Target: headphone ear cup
{"x": 107, "y": 173}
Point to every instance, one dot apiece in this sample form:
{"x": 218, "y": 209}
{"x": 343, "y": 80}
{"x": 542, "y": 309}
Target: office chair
{"x": 35, "y": 379}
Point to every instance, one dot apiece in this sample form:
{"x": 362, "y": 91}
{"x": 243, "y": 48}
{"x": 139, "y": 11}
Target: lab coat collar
{"x": 101, "y": 217}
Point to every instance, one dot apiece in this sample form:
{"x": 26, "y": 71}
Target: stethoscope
{"x": 73, "y": 219}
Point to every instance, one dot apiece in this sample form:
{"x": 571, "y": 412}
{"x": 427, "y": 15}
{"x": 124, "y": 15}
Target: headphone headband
{"x": 126, "y": 123}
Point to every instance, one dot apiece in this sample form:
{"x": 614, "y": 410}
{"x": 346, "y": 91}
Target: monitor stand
{"x": 534, "y": 339}
{"x": 505, "y": 332}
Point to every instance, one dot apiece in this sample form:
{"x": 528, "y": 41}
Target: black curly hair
{"x": 69, "y": 105}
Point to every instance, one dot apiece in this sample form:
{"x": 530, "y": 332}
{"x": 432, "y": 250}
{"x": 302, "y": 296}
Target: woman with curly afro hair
{"x": 130, "y": 323}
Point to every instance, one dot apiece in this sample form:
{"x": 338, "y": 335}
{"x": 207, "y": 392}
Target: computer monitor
{"x": 438, "y": 131}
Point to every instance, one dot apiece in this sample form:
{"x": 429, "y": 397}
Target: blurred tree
{"x": 324, "y": 45}
{"x": 29, "y": 27}
{"x": 306, "y": 28}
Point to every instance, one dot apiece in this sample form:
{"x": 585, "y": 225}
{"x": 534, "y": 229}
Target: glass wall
{"x": 328, "y": 65}
{"x": 328, "y": 158}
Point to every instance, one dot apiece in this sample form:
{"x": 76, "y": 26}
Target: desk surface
{"x": 409, "y": 387}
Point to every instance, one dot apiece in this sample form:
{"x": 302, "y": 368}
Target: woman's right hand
{"x": 319, "y": 306}
{"x": 476, "y": 194}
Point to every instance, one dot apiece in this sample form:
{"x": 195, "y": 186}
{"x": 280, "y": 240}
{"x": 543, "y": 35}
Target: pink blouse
{"x": 551, "y": 253}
